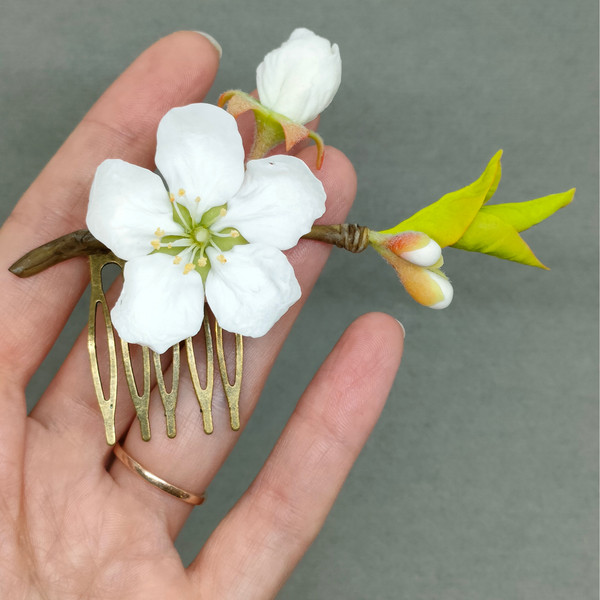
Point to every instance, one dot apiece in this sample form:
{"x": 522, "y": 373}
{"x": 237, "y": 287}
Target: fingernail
{"x": 212, "y": 40}
{"x": 403, "y": 330}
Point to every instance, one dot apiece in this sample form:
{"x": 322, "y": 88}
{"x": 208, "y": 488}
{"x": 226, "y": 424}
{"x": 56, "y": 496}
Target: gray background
{"x": 480, "y": 480}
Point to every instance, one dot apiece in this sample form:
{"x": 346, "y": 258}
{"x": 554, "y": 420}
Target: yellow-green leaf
{"x": 446, "y": 220}
{"x": 496, "y": 180}
{"x": 523, "y": 215}
{"x": 491, "y": 235}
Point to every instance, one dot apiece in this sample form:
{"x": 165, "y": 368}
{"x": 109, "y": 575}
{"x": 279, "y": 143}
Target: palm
{"x": 83, "y": 535}
{"x": 75, "y": 524}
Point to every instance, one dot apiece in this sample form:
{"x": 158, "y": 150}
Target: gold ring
{"x": 161, "y": 484}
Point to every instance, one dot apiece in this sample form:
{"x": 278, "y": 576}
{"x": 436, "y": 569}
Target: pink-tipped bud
{"x": 416, "y": 259}
{"x": 427, "y": 287}
{"x": 415, "y": 247}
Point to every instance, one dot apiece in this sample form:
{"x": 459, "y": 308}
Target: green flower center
{"x": 189, "y": 247}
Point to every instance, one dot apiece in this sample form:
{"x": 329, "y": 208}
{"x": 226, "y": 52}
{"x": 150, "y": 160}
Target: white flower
{"x": 300, "y": 78}
{"x": 218, "y": 232}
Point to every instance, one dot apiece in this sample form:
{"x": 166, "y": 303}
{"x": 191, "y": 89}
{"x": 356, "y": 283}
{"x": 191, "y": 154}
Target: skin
{"x": 74, "y": 523}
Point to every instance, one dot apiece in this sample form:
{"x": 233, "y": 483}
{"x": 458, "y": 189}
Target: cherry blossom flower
{"x": 217, "y": 232}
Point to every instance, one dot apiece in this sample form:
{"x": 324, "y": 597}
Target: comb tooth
{"x": 232, "y": 391}
{"x": 204, "y": 395}
{"x": 140, "y": 401}
{"x": 169, "y": 399}
{"x": 107, "y": 405}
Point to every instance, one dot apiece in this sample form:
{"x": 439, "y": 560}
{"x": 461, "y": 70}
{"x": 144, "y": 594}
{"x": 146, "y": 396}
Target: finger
{"x": 191, "y": 460}
{"x": 257, "y": 545}
{"x": 177, "y": 70}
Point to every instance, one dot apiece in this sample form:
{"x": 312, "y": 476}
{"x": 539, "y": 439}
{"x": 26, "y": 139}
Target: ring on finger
{"x": 134, "y": 466}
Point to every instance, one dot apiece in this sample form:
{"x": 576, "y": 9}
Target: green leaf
{"x": 446, "y": 220}
{"x": 491, "y": 235}
{"x": 523, "y": 215}
{"x": 497, "y": 176}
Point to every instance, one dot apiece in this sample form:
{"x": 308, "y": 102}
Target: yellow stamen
{"x": 197, "y": 199}
{"x": 177, "y": 260}
{"x": 172, "y": 197}
{"x": 159, "y": 232}
{"x": 181, "y": 192}
{"x": 223, "y": 212}
{"x": 189, "y": 267}
{"x": 234, "y": 234}
{"x": 155, "y": 244}
{"x": 169, "y": 245}
{"x": 202, "y": 262}
{"x": 221, "y": 259}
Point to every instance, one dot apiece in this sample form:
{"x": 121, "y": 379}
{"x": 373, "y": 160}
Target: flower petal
{"x": 446, "y": 288}
{"x": 300, "y": 78}
{"x": 159, "y": 305}
{"x": 251, "y": 291}
{"x": 277, "y": 203}
{"x": 127, "y": 205}
{"x": 199, "y": 152}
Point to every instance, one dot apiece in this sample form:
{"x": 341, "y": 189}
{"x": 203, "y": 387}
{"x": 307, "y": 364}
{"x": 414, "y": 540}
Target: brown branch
{"x": 76, "y": 243}
{"x": 354, "y": 238}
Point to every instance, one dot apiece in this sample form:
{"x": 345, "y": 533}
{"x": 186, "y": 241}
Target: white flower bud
{"x": 427, "y": 256}
{"x": 300, "y": 78}
{"x": 446, "y": 289}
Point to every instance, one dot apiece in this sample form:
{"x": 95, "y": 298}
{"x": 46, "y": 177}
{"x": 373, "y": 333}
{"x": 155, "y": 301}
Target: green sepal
{"x": 211, "y": 215}
{"x": 227, "y": 243}
{"x": 185, "y": 220}
{"x": 169, "y": 239}
{"x": 446, "y": 220}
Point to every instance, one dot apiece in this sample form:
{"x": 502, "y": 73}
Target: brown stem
{"x": 76, "y": 243}
{"x": 354, "y": 238}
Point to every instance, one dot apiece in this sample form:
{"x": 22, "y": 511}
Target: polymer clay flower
{"x": 295, "y": 82}
{"x": 217, "y": 232}
{"x": 300, "y": 78}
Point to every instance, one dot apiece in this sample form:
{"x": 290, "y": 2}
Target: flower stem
{"x": 354, "y": 238}
{"x": 76, "y": 243}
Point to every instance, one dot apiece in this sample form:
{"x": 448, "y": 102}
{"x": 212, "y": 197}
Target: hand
{"x": 74, "y": 523}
